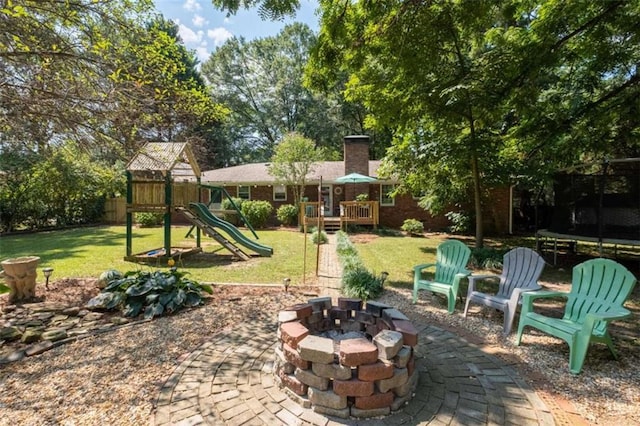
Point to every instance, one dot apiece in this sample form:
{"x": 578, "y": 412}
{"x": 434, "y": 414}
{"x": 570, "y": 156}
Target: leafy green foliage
{"x": 293, "y": 160}
{"x": 318, "y": 236}
{"x": 487, "y": 258}
{"x": 232, "y": 204}
{"x": 257, "y": 212}
{"x": 357, "y": 280}
{"x": 412, "y": 227}
{"x": 262, "y": 83}
{"x": 107, "y": 276}
{"x": 81, "y": 186}
{"x": 478, "y": 92}
{"x": 153, "y": 293}
{"x": 146, "y": 219}
{"x": 361, "y": 283}
{"x": 460, "y": 222}
{"x": 287, "y": 214}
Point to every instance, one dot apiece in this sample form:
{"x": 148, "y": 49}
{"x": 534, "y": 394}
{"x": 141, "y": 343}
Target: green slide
{"x": 205, "y": 215}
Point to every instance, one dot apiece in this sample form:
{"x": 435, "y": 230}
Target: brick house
{"x": 253, "y": 182}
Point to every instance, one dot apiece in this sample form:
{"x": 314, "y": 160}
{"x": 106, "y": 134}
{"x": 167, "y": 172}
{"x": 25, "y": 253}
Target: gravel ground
{"x": 113, "y": 378}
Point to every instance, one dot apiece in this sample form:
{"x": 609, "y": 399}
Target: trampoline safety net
{"x": 604, "y": 204}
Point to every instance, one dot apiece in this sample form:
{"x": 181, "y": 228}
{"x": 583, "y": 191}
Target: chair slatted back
{"x": 598, "y": 285}
{"x": 451, "y": 257}
{"x": 521, "y": 269}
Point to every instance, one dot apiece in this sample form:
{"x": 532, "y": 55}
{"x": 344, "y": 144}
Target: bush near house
{"x": 413, "y": 227}
{"x": 287, "y": 214}
{"x": 257, "y": 212}
{"x": 147, "y": 220}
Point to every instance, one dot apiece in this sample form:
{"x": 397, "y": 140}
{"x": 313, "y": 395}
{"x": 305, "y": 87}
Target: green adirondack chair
{"x": 450, "y": 267}
{"x": 599, "y": 288}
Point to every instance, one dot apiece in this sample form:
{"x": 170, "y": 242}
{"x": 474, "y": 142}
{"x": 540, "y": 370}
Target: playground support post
{"x": 129, "y": 214}
{"x": 167, "y": 214}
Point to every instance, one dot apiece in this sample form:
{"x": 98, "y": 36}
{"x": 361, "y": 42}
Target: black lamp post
{"x": 47, "y": 273}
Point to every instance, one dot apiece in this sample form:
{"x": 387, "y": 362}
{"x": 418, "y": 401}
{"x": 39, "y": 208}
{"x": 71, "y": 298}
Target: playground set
{"x": 165, "y": 178}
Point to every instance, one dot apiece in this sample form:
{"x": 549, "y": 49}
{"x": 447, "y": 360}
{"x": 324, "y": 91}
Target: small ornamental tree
{"x": 292, "y": 162}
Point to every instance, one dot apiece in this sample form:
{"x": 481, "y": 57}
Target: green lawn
{"x": 86, "y": 252}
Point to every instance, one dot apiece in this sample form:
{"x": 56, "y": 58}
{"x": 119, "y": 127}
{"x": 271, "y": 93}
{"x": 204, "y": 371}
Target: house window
{"x": 385, "y": 198}
{"x": 279, "y": 193}
{"x": 244, "y": 192}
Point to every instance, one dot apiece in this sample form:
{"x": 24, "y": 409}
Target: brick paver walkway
{"x": 229, "y": 381}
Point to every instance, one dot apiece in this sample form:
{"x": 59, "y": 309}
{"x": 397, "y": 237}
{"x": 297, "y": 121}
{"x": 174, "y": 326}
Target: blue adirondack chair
{"x": 599, "y": 288}
{"x": 521, "y": 269}
{"x": 450, "y": 267}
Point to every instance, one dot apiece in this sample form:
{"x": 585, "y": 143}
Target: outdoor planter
{"x": 20, "y": 275}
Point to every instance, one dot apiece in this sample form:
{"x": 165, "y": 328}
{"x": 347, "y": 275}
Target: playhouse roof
{"x": 174, "y": 157}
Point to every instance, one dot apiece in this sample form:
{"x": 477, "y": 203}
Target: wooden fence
{"x": 115, "y": 210}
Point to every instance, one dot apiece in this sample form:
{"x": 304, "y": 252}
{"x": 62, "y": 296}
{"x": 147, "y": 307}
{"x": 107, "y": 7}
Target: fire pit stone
{"x": 350, "y": 359}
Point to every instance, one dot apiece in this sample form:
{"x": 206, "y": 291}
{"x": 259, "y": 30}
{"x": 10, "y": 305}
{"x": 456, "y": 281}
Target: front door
{"x": 327, "y": 199}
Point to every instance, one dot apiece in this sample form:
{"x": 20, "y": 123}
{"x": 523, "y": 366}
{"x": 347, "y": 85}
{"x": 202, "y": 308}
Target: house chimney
{"x": 356, "y": 154}
{"x": 356, "y": 160}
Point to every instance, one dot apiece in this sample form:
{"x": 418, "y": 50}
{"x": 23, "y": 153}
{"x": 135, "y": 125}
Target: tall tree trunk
{"x": 477, "y": 196}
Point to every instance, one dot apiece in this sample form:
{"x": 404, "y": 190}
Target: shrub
{"x": 361, "y": 283}
{"x": 487, "y": 258}
{"x": 155, "y": 293}
{"x": 228, "y": 204}
{"x": 318, "y": 237}
{"x": 147, "y": 220}
{"x": 357, "y": 280}
{"x": 257, "y": 212}
{"x": 460, "y": 222}
{"x": 413, "y": 227}
{"x": 362, "y": 197}
{"x": 287, "y": 214}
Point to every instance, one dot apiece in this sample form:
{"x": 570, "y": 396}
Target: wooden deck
{"x": 351, "y": 213}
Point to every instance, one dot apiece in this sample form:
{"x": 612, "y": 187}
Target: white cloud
{"x": 219, "y": 35}
{"x": 198, "y": 20}
{"x": 202, "y": 53}
{"x": 192, "y": 5}
{"x": 188, "y": 35}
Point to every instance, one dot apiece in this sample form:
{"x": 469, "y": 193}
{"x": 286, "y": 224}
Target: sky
{"x": 203, "y": 27}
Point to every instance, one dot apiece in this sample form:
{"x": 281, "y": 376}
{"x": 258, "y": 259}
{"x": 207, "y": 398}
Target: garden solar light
{"x": 47, "y": 273}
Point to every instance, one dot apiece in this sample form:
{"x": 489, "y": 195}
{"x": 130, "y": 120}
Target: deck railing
{"x": 351, "y": 213}
{"x": 359, "y": 213}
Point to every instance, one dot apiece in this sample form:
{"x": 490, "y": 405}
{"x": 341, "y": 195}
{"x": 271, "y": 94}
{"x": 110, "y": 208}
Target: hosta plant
{"x": 154, "y": 293}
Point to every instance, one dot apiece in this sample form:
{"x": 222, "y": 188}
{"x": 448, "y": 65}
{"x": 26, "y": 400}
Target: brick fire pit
{"x": 346, "y": 360}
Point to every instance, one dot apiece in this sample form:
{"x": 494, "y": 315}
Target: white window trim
{"x": 248, "y": 190}
{"x": 284, "y": 187}
{"x": 382, "y": 196}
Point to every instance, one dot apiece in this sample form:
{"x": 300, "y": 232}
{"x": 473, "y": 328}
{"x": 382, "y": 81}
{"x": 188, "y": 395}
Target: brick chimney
{"x": 356, "y": 154}
{"x": 356, "y": 160}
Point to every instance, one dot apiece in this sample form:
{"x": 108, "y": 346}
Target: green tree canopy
{"x": 476, "y": 92}
{"x": 292, "y": 162}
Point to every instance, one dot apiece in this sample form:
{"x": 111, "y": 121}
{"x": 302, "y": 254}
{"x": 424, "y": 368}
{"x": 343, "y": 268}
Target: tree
{"x": 292, "y": 162}
{"x": 268, "y": 9}
{"x": 459, "y": 82}
{"x": 105, "y": 73}
{"x": 262, "y": 83}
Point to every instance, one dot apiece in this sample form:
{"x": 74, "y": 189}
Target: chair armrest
{"x": 620, "y": 313}
{"x": 473, "y": 278}
{"x": 419, "y": 268}
{"x": 463, "y": 273}
{"x": 517, "y": 292}
{"x": 529, "y": 296}
{"x": 542, "y": 294}
{"x": 593, "y": 317}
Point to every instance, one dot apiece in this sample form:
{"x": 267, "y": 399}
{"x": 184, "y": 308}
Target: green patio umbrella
{"x": 355, "y": 178}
